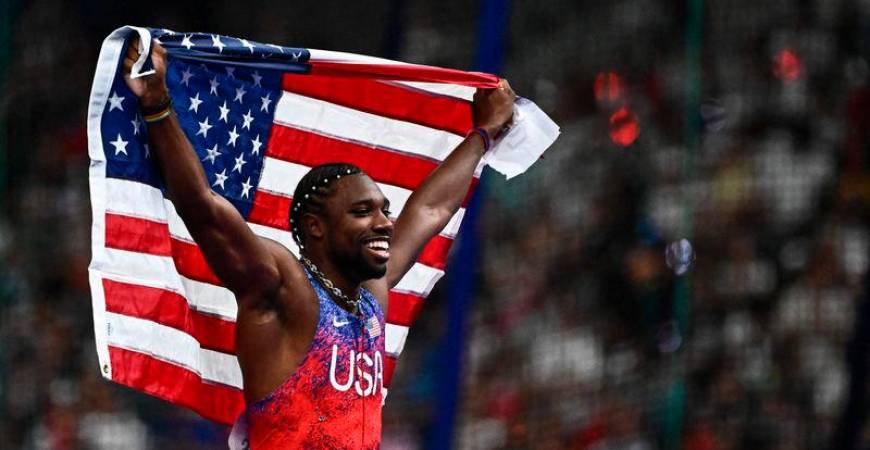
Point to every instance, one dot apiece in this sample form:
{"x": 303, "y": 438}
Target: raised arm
{"x": 238, "y": 257}
{"x": 440, "y": 195}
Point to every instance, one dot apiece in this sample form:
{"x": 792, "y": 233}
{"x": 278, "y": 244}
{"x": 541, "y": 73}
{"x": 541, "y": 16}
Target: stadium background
{"x": 753, "y": 145}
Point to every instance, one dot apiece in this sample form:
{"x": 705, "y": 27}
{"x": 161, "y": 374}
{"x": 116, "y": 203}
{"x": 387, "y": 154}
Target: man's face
{"x": 359, "y": 228}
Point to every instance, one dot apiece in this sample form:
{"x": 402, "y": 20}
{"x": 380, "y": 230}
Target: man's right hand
{"x": 492, "y": 109}
{"x": 151, "y": 89}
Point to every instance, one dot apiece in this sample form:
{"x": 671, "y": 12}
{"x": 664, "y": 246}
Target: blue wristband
{"x": 487, "y": 141}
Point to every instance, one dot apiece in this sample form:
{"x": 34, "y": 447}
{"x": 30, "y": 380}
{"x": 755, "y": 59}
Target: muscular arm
{"x": 238, "y": 257}
{"x": 437, "y": 199}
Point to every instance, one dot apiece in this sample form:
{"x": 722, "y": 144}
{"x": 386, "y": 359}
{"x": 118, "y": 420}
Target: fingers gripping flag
{"x": 259, "y": 116}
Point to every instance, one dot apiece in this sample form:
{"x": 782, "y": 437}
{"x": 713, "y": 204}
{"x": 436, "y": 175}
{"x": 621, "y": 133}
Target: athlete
{"x": 309, "y": 331}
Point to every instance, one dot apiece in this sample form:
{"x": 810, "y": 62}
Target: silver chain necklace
{"x": 331, "y": 287}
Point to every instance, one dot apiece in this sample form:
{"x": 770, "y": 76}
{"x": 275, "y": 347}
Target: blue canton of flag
{"x": 225, "y": 109}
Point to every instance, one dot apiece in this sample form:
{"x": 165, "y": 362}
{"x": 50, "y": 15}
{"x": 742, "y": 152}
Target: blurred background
{"x": 685, "y": 270}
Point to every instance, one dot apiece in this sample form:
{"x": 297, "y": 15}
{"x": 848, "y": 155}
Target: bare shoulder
{"x": 295, "y": 291}
{"x": 379, "y": 289}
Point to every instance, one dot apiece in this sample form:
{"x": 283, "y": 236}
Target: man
{"x": 308, "y": 331}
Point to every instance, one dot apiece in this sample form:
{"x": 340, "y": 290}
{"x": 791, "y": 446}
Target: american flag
{"x": 259, "y": 116}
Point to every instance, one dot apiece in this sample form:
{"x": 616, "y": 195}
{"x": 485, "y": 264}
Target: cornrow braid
{"x": 313, "y": 190}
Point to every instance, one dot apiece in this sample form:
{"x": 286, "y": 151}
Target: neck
{"x": 338, "y": 278}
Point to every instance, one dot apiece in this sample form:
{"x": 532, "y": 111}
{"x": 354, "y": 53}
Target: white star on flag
{"x": 186, "y": 76}
{"x": 257, "y": 144}
{"x": 224, "y": 112}
{"x": 216, "y": 42}
{"x": 213, "y": 153}
{"x": 257, "y": 77}
{"x": 240, "y": 161}
{"x": 220, "y": 178}
{"x": 120, "y": 145}
{"x": 246, "y": 187}
{"x": 233, "y": 136}
{"x": 248, "y": 118}
{"x": 266, "y": 101}
{"x": 214, "y": 85}
{"x": 136, "y": 124}
{"x": 203, "y": 128}
{"x": 240, "y": 92}
{"x": 185, "y": 42}
{"x": 231, "y": 72}
{"x": 194, "y": 103}
{"x": 115, "y": 102}
{"x": 247, "y": 44}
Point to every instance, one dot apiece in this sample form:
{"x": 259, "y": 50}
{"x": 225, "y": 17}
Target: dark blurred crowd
{"x": 582, "y": 335}
{"x": 754, "y": 149}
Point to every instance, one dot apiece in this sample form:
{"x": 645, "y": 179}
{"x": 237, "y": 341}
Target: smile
{"x": 380, "y": 247}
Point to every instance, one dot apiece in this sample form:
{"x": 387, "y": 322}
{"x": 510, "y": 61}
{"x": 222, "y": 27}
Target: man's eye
{"x": 361, "y": 211}
{"x": 388, "y": 213}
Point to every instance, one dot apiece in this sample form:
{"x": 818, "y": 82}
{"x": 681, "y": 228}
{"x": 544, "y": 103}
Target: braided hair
{"x": 313, "y": 190}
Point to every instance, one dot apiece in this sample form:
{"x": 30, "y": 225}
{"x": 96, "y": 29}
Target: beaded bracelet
{"x": 487, "y": 141}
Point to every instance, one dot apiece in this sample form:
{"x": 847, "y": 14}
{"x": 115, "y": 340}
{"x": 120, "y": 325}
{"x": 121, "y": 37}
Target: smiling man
{"x": 309, "y": 331}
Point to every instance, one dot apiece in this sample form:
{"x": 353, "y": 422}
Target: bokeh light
{"x": 713, "y": 116}
{"x": 669, "y": 339}
{"x": 679, "y": 256}
{"x": 787, "y": 65}
{"x": 624, "y": 127}
{"x": 608, "y": 88}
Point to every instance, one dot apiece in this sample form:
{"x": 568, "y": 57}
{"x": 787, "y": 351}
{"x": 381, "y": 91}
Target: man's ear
{"x": 314, "y": 225}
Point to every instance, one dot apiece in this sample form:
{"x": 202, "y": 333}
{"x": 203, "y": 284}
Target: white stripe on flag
{"x": 449, "y": 90}
{"x": 307, "y": 113}
{"x": 452, "y": 227}
{"x": 159, "y": 271}
{"x": 135, "y": 199}
{"x": 419, "y": 280}
{"x": 395, "y": 339}
{"x": 174, "y": 346}
{"x": 282, "y": 237}
{"x": 330, "y": 55}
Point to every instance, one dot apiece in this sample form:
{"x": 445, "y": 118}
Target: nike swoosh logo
{"x": 337, "y": 324}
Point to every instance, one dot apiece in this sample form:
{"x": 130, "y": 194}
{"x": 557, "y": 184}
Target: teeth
{"x": 378, "y": 245}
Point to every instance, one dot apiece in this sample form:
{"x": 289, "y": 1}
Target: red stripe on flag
{"x": 170, "y": 309}
{"x": 404, "y": 308}
{"x": 403, "y": 72}
{"x": 312, "y": 149}
{"x": 387, "y": 100}
{"x": 141, "y": 235}
{"x": 191, "y": 263}
{"x": 434, "y": 254}
{"x": 176, "y": 384}
{"x": 135, "y": 234}
{"x": 271, "y": 210}
{"x": 389, "y": 368}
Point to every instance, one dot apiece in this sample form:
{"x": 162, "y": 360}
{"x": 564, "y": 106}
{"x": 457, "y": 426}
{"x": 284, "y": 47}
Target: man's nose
{"x": 383, "y": 224}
